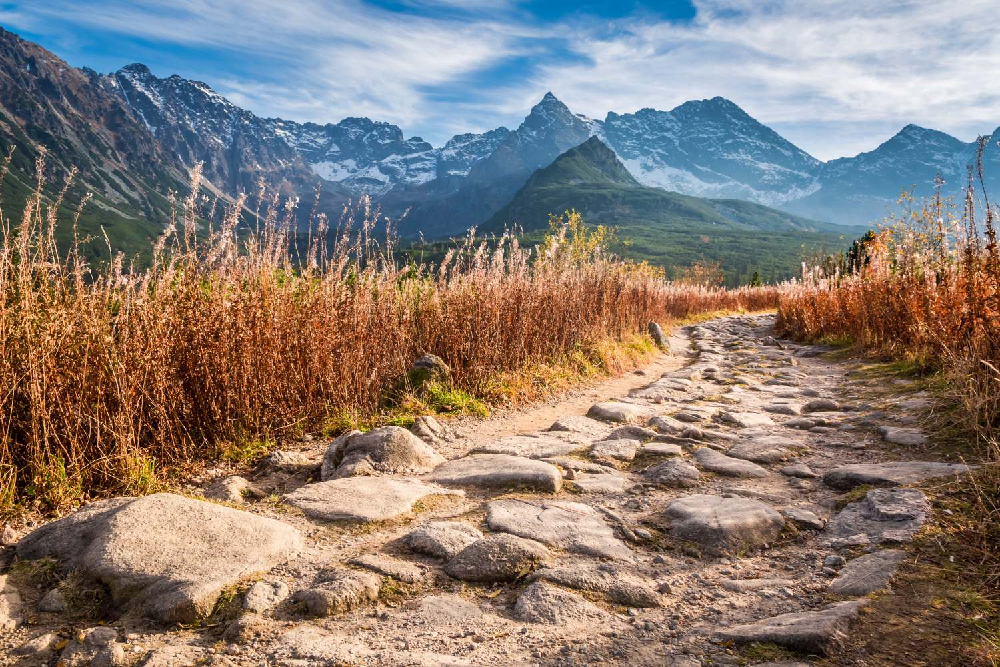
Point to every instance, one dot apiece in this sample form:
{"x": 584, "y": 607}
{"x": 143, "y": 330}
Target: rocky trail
{"x": 686, "y": 513}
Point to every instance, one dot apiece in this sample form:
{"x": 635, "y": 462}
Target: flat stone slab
{"x": 751, "y": 585}
{"x": 541, "y": 602}
{"x": 885, "y": 515}
{"x": 675, "y": 473}
{"x": 163, "y": 555}
{"x": 619, "y": 450}
{"x": 601, "y": 483}
{"x": 765, "y": 449}
{"x": 868, "y": 573}
{"x": 498, "y": 471}
{"x": 717, "y": 462}
{"x": 902, "y": 435}
{"x": 745, "y": 419}
{"x": 571, "y": 526}
{"x": 362, "y": 499}
{"x": 723, "y": 525}
{"x": 894, "y": 473}
{"x": 661, "y": 449}
{"x": 612, "y": 581}
{"x": 818, "y": 632}
{"x": 527, "y": 446}
{"x": 582, "y": 425}
{"x": 614, "y": 411}
{"x": 579, "y": 465}
{"x": 395, "y": 568}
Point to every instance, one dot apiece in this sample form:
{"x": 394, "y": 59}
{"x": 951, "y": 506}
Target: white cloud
{"x": 833, "y": 75}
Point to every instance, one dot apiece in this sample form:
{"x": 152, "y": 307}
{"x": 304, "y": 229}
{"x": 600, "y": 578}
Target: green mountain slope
{"x": 666, "y": 228}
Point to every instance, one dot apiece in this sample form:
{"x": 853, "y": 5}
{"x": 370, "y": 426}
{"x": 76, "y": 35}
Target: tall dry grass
{"x": 926, "y": 289}
{"x": 113, "y": 375}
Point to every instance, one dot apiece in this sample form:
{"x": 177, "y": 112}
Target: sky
{"x": 835, "y": 77}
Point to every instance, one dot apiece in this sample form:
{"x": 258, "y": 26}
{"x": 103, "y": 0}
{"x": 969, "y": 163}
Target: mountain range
{"x": 134, "y": 136}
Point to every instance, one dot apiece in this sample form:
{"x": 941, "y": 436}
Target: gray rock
{"x": 233, "y": 489}
{"x": 571, "y": 526}
{"x": 397, "y": 569}
{"x": 581, "y": 425}
{"x": 803, "y": 518}
{"x": 803, "y": 423}
{"x": 656, "y": 333}
{"x": 264, "y": 595}
{"x": 661, "y": 449}
{"x": 717, "y": 462}
{"x": 428, "y": 368}
{"x": 821, "y": 405}
{"x": 362, "y": 499}
{"x": 163, "y": 555}
{"x": 93, "y": 646}
{"x": 527, "y": 446}
{"x": 542, "y": 602}
{"x": 783, "y": 409}
{"x": 689, "y": 417}
{"x": 751, "y": 585}
{"x": 386, "y": 450}
{"x": 40, "y": 648}
{"x": 765, "y": 449}
{"x": 288, "y": 461}
{"x": 885, "y": 515}
{"x": 619, "y": 450}
{"x": 614, "y": 411}
{"x": 11, "y": 606}
{"x": 493, "y": 471}
{"x": 723, "y": 525}
{"x": 53, "y": 602}
{"x": 631, "y": 432}
{"x": 893, "y": 473}
{"x": 903, "y": 436}
{"x": 745, "y": 419}
{"x": 428, "y": 429}
{"x": 612, "y": 581}
{"x": 665, "y": 424}
{"x": 579, "y": 465}
{"x": 818, "y": 632}
{"x": 676, "y": 474}
{"x": 868, "y": 573}
{"x": 346, "y": 590}
{"x": 600, "y": 483}
{"x": 800, "y": 470}
{"x": 442, "y": 539}
{"x": 248, "y": 628}
{"x": 497, "y": 558}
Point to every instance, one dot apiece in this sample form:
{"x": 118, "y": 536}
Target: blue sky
{"x": 835, "y": 77}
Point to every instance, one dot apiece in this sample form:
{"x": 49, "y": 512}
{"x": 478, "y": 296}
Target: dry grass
{"x": 233, "y": 337}
{"x": 925, "y": 291}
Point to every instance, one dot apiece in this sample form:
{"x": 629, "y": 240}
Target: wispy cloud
{"x": 834, "y": 77}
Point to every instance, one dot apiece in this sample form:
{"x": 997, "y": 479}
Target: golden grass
{"x": 241, "y": 334}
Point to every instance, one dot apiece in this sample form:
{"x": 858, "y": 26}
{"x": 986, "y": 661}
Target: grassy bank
{"x": 232, "y": 339}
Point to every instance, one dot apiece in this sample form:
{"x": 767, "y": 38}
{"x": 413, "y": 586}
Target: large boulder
{"x": 362, "y": 499}
{"x": 388, "y": 450}
{"x": 164, "y": 555}
{"x": 724, "y": 525}
{"x": 571, "y": 526}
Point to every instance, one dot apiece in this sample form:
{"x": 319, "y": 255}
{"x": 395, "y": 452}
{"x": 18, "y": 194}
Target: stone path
{"x": 665, "y": 526}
